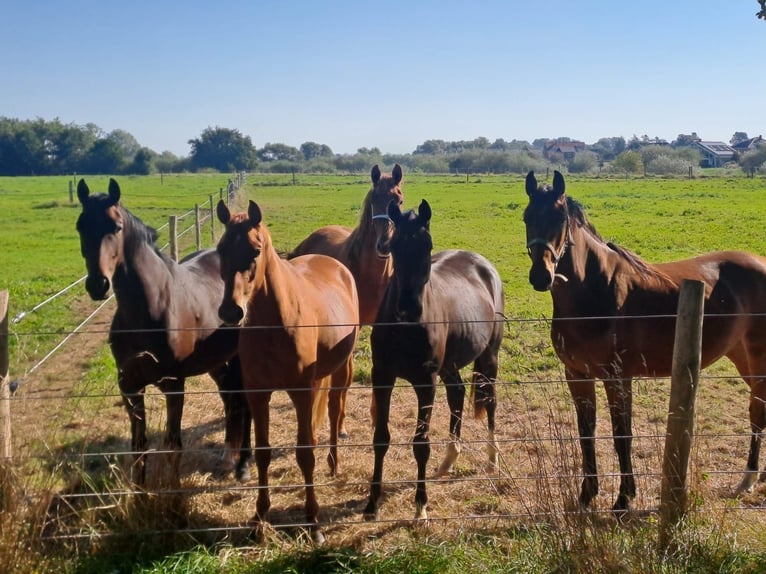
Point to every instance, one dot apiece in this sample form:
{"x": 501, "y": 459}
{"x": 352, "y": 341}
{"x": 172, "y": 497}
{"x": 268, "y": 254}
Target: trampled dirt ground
{"x": 54, "y": 413}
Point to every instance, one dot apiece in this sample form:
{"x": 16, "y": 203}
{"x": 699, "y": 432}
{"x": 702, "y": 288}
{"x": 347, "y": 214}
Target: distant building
{"x": 568, "y": 150}
{"x": 715, "y": 154}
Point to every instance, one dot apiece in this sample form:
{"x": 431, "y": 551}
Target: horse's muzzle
{"x": 540, "y": 278}
{"x": 97, "y": 287}
{"x": 231, "y": 313}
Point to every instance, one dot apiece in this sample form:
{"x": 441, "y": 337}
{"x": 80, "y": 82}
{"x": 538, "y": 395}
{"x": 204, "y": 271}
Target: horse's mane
{"x": 140, "y": 233}
{"x": 577, "y": 215}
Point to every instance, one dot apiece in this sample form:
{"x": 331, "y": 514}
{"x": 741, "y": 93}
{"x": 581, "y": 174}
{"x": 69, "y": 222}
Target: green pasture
{"x": 660, "y": 219}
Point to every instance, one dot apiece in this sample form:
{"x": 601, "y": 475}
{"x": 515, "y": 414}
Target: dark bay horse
{"x": 299, "y": 324}
{"x": 634, "y": 304}
{"x": 166, "y": 325}
{"x": 441, "y": 312}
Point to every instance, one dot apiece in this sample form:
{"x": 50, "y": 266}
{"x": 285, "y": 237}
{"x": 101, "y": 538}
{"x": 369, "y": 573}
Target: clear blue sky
{"x": 391, "y": 75}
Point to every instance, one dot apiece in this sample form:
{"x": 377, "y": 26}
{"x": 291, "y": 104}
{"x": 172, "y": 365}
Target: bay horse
{"x": 166, "y": 325}
{"x": 365, "y": 249}
{"x": 614, "y": 319}
{"x": 299, "y": 323}
{"x": 441, "y": 312}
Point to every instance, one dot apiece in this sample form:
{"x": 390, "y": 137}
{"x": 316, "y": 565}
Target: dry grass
{"x": 61, "y": 427}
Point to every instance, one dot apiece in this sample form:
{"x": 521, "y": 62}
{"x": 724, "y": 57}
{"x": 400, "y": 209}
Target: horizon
{"x": 343, "y": 75}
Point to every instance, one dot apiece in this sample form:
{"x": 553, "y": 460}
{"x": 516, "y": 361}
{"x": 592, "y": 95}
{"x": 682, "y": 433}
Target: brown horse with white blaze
{"x": 299, "y": 324}
{"x": 614, "y": 319}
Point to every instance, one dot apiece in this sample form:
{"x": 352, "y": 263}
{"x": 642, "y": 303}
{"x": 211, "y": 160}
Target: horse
{"x": 440, "y": 312}
{"x": 299, "y": 323}
{"x": 365, "y": 250}
{"x": 614, "y": 319}
{"x": 165, "y": 327}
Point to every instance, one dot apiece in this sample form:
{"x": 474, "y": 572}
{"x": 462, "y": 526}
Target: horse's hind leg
{"x": 456, "y": 400}
{"x": 228, "y": 377}
{"x": 620, "y": 396}
{"x": 340, "y": 381}
{"x": 752, "y": 372}
{"x": 485, "y": 399}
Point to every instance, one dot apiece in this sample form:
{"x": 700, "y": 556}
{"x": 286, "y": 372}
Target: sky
{"x": 391, "y": 75}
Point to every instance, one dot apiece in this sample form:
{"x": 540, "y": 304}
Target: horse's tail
{"x": 319, "y": 406}
{"x": 482, "y": 391}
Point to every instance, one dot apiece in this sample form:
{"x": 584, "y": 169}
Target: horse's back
{"x": 469, "y": 278}
{"x": 329, "y": 285}
{"x": 328, "y": 240}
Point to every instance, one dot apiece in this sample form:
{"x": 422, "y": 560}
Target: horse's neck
{"x": 141, "y": 279}
{"x": 273, "y": 292}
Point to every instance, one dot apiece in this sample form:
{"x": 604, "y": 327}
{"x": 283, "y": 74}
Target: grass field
{"x": 520, "y": 521}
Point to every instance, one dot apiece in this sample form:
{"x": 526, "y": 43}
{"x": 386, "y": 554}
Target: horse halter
{"x": 555, "y": 256}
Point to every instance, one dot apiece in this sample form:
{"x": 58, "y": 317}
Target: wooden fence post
{"x": 197, "y": 227}
{"x": 71, "y": 192}
{"x": 5, "y": 390}
{"x": 173, "y": 231}
{"x": 685, "y": 372}
{"x": 212, "y": 221}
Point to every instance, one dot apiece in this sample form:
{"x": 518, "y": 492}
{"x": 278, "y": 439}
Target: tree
{"x": 278, "y": 152}
{"x": 738, "y": 137}
{"x": 105, "y": 157}
{"x": 629, "y": 161}
{"x": 313, "y": 150}
{"x": 222, "y": 149}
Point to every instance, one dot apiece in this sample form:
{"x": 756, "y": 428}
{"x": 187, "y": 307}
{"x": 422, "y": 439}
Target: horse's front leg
{"x": 133, "y": 399}
{"x": 455, "y": 400}
{"x": 174, "y": 404}
{"x": 583, "y": 391}
{"x": 304, "y": 454}
{"x": 421, "y": 445}
{"x": 258, "y": 402}
{"x": 620, "y": 396}
{"x": 382, "y": 387}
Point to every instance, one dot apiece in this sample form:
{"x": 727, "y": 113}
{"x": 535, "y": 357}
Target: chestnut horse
{"x": 366, "y": 249}
{"x": 166, "y": 325}
{"x": 614, "y": 319}
{"x": 299, "y": 324}
{"x": 441, "y": 312}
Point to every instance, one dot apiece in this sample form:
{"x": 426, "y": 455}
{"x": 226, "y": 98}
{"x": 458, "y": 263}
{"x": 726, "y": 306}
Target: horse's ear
{"x": 254, "y": 213}
{"x": 222, "y": 211}
{"x": 397, "y": 174}
{"x": 82, "y": 191}
{"x": 375, "y": 174}
{"x": 558, "y": 184}
{"x": 531, "y": 183}
{"x": 394, "y": 211}
{"x": 114, "y": 192}
{"x": 424, "y": 212}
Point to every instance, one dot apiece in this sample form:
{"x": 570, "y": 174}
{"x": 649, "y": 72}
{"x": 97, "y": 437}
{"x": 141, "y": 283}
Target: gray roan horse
{"x": 166, "y": 325}
{"x": 614, "y": 319}
{"x": 441, "y": 312}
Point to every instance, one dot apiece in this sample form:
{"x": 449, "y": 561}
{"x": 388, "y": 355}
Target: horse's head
{"x": 547, "y": 220}
{"x": 100, "y": 227}
{"x": 385, "y": 189}
{"x": 239, "y": 248}
{"x": 411, "y": 247}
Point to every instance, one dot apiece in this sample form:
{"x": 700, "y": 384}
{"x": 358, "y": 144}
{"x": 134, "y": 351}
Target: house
{"x": 715, "y": 154}
{"x": 566, "y": 149}
{"x": 748, "y": 145}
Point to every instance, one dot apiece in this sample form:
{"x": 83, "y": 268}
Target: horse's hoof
{"x": 747, "y": 483}
{"x": 371, "y": 513}
{"x": 243, "y": 474}
{"x": 317, "y": 537}
{"x": 343, "y": 435}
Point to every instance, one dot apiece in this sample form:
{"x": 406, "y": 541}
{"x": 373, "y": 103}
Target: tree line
{"x": 40, "y": 147}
